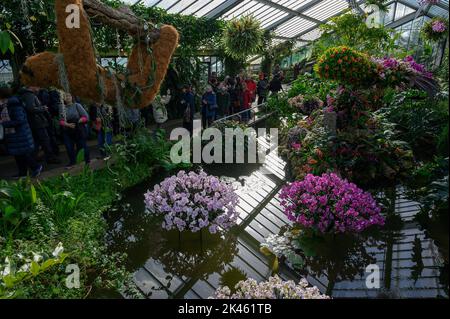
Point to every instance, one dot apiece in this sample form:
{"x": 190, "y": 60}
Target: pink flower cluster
{"x": 400, "y": 68}
{"x": 191, "y": 201}
{"x": 427, "y": 2}
{"x": 329, "y": 204}
{"x": 438, "y": 26}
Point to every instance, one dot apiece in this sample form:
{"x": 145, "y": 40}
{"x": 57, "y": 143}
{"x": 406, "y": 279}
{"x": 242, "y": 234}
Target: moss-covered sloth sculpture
{"x": 75, "y": 68}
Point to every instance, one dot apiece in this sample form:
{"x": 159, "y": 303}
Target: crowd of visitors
{"x": 36, "y": 121}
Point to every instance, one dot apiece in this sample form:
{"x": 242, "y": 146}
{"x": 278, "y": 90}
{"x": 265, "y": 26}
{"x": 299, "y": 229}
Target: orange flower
{"x": 312, "y": 161}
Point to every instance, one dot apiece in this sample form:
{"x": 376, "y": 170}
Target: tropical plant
{"x": 351, "y": 30}
{"x": 64, "y": 204}
{"x": 242, "y": 37}
{"x": 419, "y": 120}
{"x": 16, "y": 203}
{"x": 435, "y": 30}
{"x": 16, "y": 272}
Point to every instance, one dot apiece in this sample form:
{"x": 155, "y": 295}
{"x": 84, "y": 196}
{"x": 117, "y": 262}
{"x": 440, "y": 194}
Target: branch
{"x": 122, "y": 18}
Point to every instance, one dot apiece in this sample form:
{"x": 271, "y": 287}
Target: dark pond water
{"x": 412, "y": 257}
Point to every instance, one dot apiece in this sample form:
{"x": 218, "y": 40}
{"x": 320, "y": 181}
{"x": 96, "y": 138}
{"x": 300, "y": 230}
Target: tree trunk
{"x": 122, "y": 18}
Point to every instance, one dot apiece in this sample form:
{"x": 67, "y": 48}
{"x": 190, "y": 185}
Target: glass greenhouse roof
{"x": 292, "y": 19}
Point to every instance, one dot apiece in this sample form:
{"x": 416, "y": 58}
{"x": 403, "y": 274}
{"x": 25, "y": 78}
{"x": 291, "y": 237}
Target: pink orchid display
{"x": 329, "y": 204}
{"x": 193, "y": 201}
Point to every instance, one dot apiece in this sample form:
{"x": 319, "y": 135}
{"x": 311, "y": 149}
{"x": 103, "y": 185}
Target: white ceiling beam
{"x": 300, "y": 10}
{"x": 285, "y": 9}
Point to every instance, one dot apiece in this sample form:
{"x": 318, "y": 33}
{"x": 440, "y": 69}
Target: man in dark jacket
{"x": 262, "y": 88}
{"x": 53, "y": 101}
{"x": 37, "y": 117}
{"x": 18, "y": 138}
{"x": 275, "y": 85}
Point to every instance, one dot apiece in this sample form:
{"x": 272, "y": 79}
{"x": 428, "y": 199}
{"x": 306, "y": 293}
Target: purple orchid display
{"x": 193, "y": 201}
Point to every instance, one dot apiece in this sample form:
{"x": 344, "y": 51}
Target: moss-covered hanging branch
{"x": 90, "y": 81}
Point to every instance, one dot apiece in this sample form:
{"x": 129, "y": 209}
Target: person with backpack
{"x": 73, "y": 120}
{"x": 160, "y": 110}
{"x": 17, "y": 134}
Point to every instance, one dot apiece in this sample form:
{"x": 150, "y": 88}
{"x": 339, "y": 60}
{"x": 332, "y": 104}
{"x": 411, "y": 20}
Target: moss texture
{"x": 85, "y": 76}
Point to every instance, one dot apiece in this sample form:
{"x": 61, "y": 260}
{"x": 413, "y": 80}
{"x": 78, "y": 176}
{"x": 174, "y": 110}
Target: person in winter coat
{"x": 247, "y": 101}
{"x": 73, "y": 120}
{"x": 38, "y": 119}
{"x": 262, "y": 89}
{"x": 18, "y": 136}
{"x": 53, "y": 101}
{"x": 188, "y": 106}
{"x": 223, "y": 101}
{"x": 209, "y": 107}
{"x": 251, "y": 86}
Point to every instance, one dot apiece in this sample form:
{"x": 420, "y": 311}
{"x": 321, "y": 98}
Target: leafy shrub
{"x": 16, "y": 202}
{"x": 311, "y": 85}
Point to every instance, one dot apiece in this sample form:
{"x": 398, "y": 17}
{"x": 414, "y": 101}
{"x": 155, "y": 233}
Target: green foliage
{"x": 310, "y": 84}
{"x": 351, "y": 30}
{"x": 6, "y": 44}
{"x": 70, "y": 209}
{"x": 429, "y": 34}
{"x": 420, "y": 121}
{"x": 17, "y": 272}
{"x": 443, "y": 73}
{"x": 63, "y": 204}
{"x": 242, "y": 37}
{"x": 16, "y": 202}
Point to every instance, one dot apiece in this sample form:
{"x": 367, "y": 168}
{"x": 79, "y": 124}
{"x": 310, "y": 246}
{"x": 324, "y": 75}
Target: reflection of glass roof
{"x": 292, "y": 19}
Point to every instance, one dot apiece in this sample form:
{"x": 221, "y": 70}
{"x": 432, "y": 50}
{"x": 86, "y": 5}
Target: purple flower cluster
{"x": 191, "y": 201}
{"x": 427, "y": 2}
{"x": 400, "y": 68}
{"x": 438, "y": 26}
{"x": 329, "y": 204}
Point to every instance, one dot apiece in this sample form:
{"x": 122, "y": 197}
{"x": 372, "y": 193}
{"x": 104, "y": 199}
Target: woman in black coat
{"x": 19, "y": 140}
